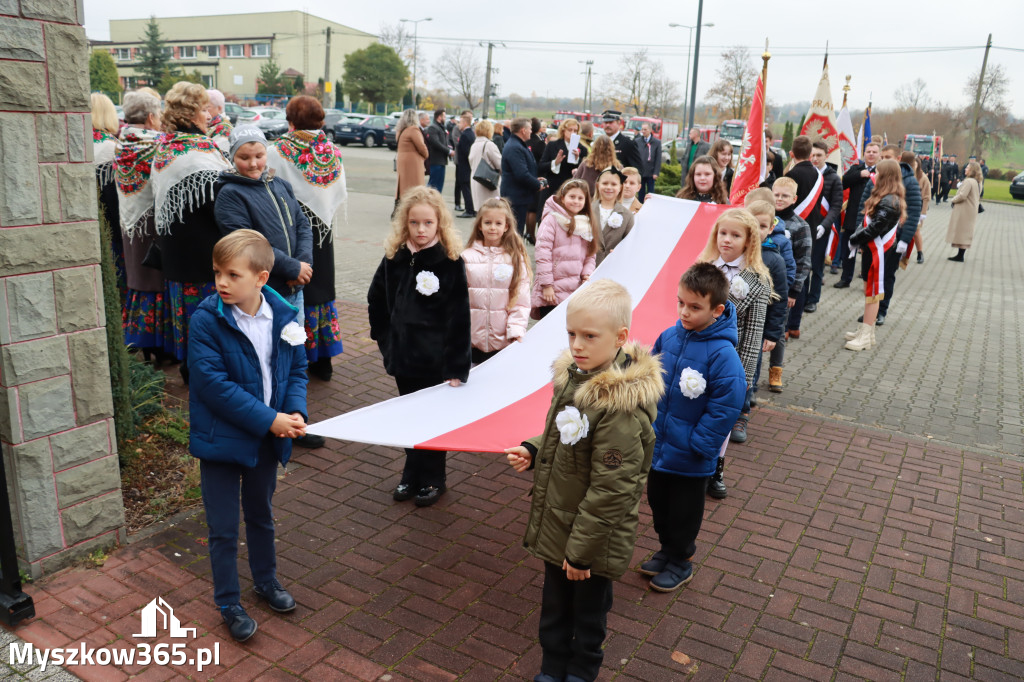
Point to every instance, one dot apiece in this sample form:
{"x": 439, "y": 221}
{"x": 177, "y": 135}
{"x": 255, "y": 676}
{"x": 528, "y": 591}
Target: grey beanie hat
{"x": 244, "y": 135}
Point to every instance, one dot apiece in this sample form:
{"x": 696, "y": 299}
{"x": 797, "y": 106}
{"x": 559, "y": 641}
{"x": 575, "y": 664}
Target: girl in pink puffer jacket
{"x": 498, "y": 272}
{"x": 566, "y": 246}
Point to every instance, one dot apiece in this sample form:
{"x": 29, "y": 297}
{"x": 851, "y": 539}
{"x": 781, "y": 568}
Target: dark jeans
{"x": 573, "y": 623}
{"x": 436, "y": 179}
{"x": 892, "y": 264}
{"x": 944, "y": 191}
{"x": 520, "y": 211}
{"x": 467, "y": 195}
{"x": 646, "y": 187}
{"x": 677, "y": 506}
{"x": 422, "y": 467}
{"x": 796, "y": 313}
{"x": 221, "y": 485}
{"x": 816, "y": 277}
{"x": 849, "y": 264}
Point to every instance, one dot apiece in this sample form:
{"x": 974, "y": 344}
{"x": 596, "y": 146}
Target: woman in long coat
{"x": 484, "y": 149}
{"x": 412, "y": 153}
{"x": 965, "y": 212}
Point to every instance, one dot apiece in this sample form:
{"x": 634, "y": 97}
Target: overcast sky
{"x": 797, "y": 31}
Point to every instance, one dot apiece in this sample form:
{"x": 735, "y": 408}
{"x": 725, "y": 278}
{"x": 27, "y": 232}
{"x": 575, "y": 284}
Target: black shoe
{"x": 956, "y": 259}
{"x": 240, "y": 625}
{"x": 467, "y": 214}
{"x": 920, "y": 256}
{"x": 655, "y": 565}
{"x": 402, "y": 492}
{"x": 860, "y": 319}
{"x": 430, "y": 494}
{"x": 458, "y": 208}
{"x": 673, "y": 577}
{"x": 880, "y": 320}
{"x": 276, "y": 596}
{"x": 841, "y": 284}
{"x": 716, "y": 486}
{"x": 322, "y": 369}
{"x": 810, "y": 307}
{"x": 310, "y": 441}
{"x": 833, "y": 271}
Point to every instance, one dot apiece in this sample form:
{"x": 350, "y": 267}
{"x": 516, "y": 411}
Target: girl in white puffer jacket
{"x": 498, "y": 272}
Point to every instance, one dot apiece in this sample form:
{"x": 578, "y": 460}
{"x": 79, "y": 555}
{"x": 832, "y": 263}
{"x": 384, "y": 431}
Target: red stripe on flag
{"x": 655, "y": 312}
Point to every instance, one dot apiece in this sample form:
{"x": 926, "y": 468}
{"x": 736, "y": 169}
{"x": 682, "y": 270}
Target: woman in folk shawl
{"x": 307, "y": 159}
{"x": 146, "y": 318}
{"x": 185, "y": 167}
{"x": 104, "y": 136}
{"x": 220, "y": 126}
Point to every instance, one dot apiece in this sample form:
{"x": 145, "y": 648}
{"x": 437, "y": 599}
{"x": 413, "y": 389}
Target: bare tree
{"x": 461, "y": 69}
{"x": 399, "y": 39}
{"x": 664, "y": 96}
{"x": 733, "y": 90}
{"x": 913, "y": 95}
{"x": 641, "y": 83}
{"x": 997, "y": 128}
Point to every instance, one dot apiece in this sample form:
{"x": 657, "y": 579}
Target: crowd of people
{"x": 224, "y": 244}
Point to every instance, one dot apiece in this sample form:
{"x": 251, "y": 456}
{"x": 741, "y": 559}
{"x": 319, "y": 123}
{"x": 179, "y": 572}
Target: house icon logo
{"x": 159, "y": 608}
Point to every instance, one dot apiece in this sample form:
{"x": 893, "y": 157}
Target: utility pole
{"x": 487, "y": 81}
{"x": 588, "y": 93}
{"x": 696, "y": 58}
{"x": 976, "y": 142}
{"x": 327, "y": 72}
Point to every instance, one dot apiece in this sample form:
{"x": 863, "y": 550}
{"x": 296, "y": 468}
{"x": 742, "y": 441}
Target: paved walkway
{"x": 842, "y": 552}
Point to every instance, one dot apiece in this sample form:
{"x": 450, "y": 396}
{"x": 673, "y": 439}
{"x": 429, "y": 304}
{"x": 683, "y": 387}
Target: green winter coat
{"x": 586, "y": 496}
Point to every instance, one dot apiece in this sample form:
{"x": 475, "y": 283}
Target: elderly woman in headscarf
{"x": 306, "y": 158}
{"x": 105, "y": 127}
{"x": 185, "y": 167}
{"x": 145, "y": 320}
{"x": 220, "y": 126}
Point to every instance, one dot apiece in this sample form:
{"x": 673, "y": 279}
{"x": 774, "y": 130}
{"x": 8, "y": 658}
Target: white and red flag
{"x": 848, "y": 154}
{"x": 506, "y": 398}
{"x": 752, "y": 168}
{"x": 820, "y": 123}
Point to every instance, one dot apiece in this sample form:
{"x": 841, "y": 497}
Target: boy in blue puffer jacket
{"x": 247, "y": 400}
{"x": 705, "y": 388}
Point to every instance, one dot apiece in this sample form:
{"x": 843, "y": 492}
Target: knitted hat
{"x": 244, "y": 135}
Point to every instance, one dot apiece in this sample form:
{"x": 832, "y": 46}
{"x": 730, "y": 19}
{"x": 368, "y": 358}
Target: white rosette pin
{"x": 427, "y": 283}
{"x": 572, "y": 426}
{"x": 739, "y": 288}
{"x": 502, "y": 272}
{"x": 294, "y": 334}
{"x": 692, "y": 383}
{"x": 615, "y": 220}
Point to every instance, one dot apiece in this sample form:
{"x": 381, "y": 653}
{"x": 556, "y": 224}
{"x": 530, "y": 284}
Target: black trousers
{"x": 677, "y": 505}
{"x": 464, "y": 188}
{"x": 573, "y": 624}
{"x": 422, "y": 467}
{"x": 944, "y": 191}
{"x": 849, "y": 264}
{"x": 817, "y": 275}
{"x": 892, "y": 264}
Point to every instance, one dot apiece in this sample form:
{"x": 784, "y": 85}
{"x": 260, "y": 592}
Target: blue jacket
{"x": 268, "y": 206}
{"x": 690, "y": 431}
{"x": 912, "y": 195}
{"x": 778, "y": 311}
{"x": 225, "y": 399}
{"x": 779, "y": 238}
{"x": 519, "y": 183}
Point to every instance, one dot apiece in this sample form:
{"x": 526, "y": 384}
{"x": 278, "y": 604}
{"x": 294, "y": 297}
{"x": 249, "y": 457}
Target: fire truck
{"x": 663, "y": 130}
{"x": 732, "y": 130}
{"x": 923, "y": 144}
{"x": 580, "y": 116}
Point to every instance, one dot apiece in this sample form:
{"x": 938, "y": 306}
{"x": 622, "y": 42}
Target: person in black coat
{"x": 809, "y": 186}
{"x": 831, "y": 205}
{"x": 854, "y": 180}
{"x": 463, "y": 173}
{"x": 625, "y": 148}
{"x": 555, "y": 165}
{"x": 519, "y": 180}
{"x": 436, "y": 138}
{"x": 649, "y": 149}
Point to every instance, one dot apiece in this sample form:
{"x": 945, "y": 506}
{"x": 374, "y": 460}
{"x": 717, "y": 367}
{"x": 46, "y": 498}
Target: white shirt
{"x": 606, "y": 213}
{"x": 731, "y": 269}
{"x": 259, "y": 329}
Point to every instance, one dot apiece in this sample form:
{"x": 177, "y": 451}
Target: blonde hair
{"x": 183, "y": 102}
{"x": 602, "y": 154}
{"x": 973, "y": 170}
{"x": 484, "y": 129}
{"x": 759, "y": 194}
{"x": 785, "y": 183}
{"x": 760, "y": 207}
{"x": 562, "y": 126}
{"x": 104, "y": 116}
{"x": 607, "y": 297}
{"x": 751, "y": 247}
{"x": 249, "y": 244}
{"x": 446, "y": 233}
{"x": 511, "y": 243}
{"x": 629, "y": 170}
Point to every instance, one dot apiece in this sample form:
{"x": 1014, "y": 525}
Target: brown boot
{"x": 775, "y": 379}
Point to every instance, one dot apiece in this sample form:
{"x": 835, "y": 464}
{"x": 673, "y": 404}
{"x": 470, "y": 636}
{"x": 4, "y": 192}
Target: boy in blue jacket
{"x": 778, "y": 309}
{"x": 247, "y": 399}
{"x": 705, "y": 389}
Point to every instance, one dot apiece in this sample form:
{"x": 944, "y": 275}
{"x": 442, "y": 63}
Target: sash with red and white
{"x": 805, "y": 207}
{"x": 874, "y": 286}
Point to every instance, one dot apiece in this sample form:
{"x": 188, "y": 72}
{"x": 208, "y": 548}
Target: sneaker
{"x": 673, "y": 577}
{"x": 276, "y": 596}
{"x": 739, "y": 431}
{"x": 240, "y": 625}
{"x": 655, "y": 565}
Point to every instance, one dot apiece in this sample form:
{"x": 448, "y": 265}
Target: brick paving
{"x": 843, "y": 552}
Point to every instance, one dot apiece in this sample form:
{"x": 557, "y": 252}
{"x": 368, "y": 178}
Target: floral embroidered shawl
{"x": 311, "y": 163}
{"x": 185, "y": 167}
{"x": 219, "y": 131}
{"x": 133, "y": 163}
{"x": 103, "y": 156}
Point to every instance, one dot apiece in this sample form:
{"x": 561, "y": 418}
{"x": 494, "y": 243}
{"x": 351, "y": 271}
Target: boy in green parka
{"x": 590, "y": 467}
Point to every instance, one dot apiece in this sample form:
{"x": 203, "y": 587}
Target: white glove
{"x": 821, "y": 231}
{"x": 853, "y": 252}
{"x": 901, "y": 248}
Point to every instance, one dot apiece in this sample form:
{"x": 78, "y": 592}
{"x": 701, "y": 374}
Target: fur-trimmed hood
{"x": 633, "y": 380}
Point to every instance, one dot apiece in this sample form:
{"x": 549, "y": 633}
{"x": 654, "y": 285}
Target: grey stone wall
{"x": 56, "y": 431}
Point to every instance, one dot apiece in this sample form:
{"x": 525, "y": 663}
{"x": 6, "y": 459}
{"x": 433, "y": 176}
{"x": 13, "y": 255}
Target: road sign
{"x": 499, "y": 106}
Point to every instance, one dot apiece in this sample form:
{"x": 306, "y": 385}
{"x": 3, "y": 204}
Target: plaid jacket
{"x": 750, "y": 314}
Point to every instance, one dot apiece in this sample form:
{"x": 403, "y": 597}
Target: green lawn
{"x": 1011, "y": 158}
{"x": 997, "y": 190}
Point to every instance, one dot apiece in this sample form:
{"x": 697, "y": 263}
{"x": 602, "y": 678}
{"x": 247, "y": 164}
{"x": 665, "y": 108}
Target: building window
{"x": 236, "y": 51}
{"x": 261, "y": 49}
{"x": 168, "y": 52}
{"x": 208, "y": 81}
{"x": 187, "y": 52}
{"x": 123, "y": 54}
{"x": 131, "y": 82}
{"x": 213, "y": 50}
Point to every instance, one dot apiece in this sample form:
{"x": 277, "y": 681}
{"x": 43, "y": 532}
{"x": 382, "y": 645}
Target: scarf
{"x": 312, "y": 165}
{"x": 220, "y": 127}
{"x": 785, "y": 214}
{"x": 103, "y": 156}
{"x": 133, "y": 159}
{"x": 583, "y": 228}
{"x": 185, "y": 167}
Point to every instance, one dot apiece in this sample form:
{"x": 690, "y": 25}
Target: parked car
{"x": 331, "y": 118}
{"x": 369, "y": 132}
{"x": 1017, "y": 186}
{"x": 253, "y": 114}
{"x": 273, "y": 123}
{"x": 232, "y": 110}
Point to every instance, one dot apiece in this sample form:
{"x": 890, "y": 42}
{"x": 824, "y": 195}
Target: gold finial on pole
{"x": 846, "y": 88}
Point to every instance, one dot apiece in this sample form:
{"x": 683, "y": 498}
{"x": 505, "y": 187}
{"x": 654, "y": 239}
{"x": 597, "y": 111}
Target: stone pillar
{"x": 56, "y": 429}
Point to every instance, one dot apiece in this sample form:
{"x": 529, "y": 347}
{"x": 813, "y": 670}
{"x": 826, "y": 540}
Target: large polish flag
{"x": 847, "y": 141}
{"x": 506, "y": 398}
{"x": 820, "y": 123}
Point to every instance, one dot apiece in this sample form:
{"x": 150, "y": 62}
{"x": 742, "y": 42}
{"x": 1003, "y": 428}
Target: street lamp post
{"x": 689, "y": 47}
{"x": 415, "y": 35}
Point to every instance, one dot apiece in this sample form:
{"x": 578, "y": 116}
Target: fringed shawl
{"x": 185, "y": 168}
{"x": 133, "y": 163}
